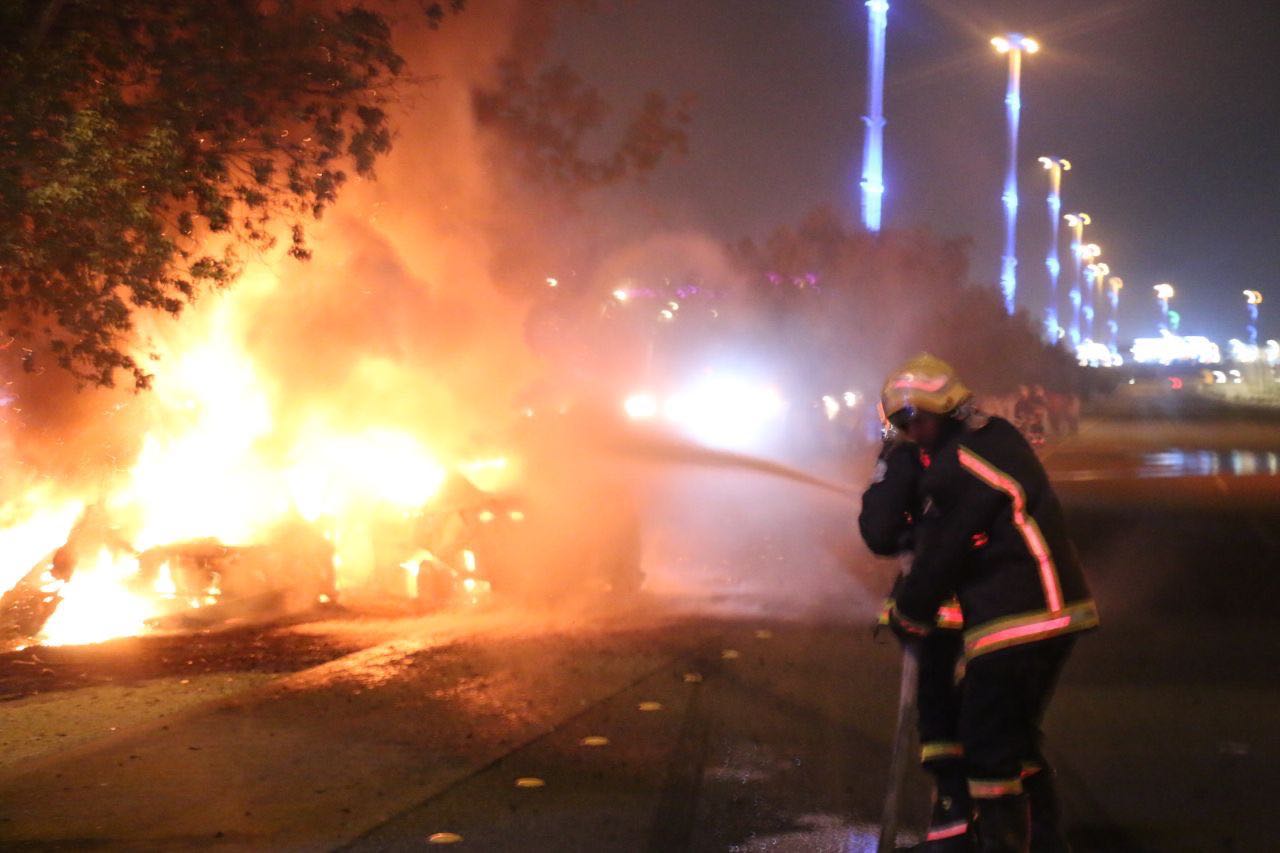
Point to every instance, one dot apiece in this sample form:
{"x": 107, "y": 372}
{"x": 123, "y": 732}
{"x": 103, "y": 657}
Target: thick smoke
{"x": 425, "y": 309}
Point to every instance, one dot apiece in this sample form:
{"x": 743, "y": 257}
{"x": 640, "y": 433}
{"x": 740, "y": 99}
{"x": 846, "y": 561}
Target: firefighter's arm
{"x": 884, "y": 520}
{"x": 940, "y": 554}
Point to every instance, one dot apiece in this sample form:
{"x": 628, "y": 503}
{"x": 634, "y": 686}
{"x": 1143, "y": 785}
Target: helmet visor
{"x": 899, "y": 419}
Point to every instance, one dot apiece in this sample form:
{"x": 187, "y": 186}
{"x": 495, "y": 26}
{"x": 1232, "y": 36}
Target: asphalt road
{"x": 741, "y": 705}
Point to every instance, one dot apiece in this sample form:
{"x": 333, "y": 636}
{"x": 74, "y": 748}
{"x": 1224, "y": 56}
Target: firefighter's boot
{"x": 1004, "y": 825}
{"x": 950, "y": 820}
{"x": 1047, "y": 834}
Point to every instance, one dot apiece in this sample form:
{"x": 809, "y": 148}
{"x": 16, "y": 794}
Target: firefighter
{"x": 891, "y": 510}
{"x": 992, "y": 534}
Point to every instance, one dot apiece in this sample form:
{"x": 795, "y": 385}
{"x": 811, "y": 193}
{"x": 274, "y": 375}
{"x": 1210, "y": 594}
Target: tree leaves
{"x": 550, "y": 119}
{"x": 131, "y": 131}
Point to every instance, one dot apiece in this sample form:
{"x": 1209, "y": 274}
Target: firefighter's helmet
{"x": 924, "y": 383}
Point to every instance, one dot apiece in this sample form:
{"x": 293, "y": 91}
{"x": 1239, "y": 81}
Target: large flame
{"x": 334, "y": 394}
{"x": 30, "y": 528}
{"x": 98, "y": 603}
{"x": 221, "y": 462}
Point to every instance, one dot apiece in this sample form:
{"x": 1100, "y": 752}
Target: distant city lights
{"x": 1097, "y": 354}
{"x": 1172, "y": 349}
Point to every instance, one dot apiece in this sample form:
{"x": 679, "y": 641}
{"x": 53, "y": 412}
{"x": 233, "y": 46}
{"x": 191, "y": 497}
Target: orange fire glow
{"x": 222, "y": 462}
{"x": 332, "y": 397}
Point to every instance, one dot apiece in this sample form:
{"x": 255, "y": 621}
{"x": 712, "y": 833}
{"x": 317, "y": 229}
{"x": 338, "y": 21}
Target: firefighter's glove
{"x": 898, "y": 461}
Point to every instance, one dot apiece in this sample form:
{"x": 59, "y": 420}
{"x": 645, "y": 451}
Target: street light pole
{"x": 1252, "y": 300}
{"x": 1098, "y": 272}
{"x": 1164, "y": 292}
{"x": 1014, "y": 45}
{"x": 1055, "y": 166}
{"x": 1077, "y": 221}
{"x": 873, "y": 143}
{"x": 1113, "y": 323}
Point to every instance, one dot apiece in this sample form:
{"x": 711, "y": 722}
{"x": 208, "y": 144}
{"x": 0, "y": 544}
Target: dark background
{"x": 1166, "y": 110}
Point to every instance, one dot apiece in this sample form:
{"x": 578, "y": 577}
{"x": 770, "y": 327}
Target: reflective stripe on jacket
{"x": 1025, "y": 582}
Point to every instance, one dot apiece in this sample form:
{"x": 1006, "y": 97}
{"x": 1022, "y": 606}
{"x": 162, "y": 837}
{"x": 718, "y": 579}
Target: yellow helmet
{"x": 924, "y": 383}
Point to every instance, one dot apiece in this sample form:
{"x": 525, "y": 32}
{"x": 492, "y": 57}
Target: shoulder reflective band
{"x": 1027, "y": 527}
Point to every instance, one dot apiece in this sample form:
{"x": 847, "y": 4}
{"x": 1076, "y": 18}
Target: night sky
{"x": 1167, "y": 110}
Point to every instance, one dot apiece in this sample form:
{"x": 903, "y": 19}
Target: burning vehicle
{"x": 543, "y": 518}
{"x": 547, "y": 526}
{"x": 518, "y": 547}
{"x": 110, "y": 589}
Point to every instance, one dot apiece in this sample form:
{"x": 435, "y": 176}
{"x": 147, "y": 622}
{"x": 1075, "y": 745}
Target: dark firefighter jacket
{"x": 891, "y": 509}
{"x": 993, "y": 534}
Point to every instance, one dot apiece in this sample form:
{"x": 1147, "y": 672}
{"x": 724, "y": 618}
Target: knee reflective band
{"x": 990, "y": 789}
{"x": 934, "y": 750}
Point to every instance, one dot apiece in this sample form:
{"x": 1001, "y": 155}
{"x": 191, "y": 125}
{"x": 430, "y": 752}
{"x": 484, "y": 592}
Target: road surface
{"x": 742, "y": 704}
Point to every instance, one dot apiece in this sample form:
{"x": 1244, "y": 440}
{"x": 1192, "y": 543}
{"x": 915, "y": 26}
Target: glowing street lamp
{"x": 1164, "y": 292}
{"x": 1014, "y": 45}
{"x": 1077, "y": 221}
{"x": 873, "y": 144}
{"x": 1113, "y": 322}
{"x": 1252, "y": 300}
{"x": 1055, "y": 166}
{"x": 1098, "y": 272}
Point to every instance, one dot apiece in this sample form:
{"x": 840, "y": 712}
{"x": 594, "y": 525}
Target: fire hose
{"x": 900, "y": 756}
{"x": 674, "y": 451}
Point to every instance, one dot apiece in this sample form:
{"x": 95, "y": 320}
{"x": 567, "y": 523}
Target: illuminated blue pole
{"x": 1077, "y": 221}
{"x": 1098, "y": 272}
{"x": 1164, "y": 292}
{"x": 1055, "y": 167}
{"x": 1014, "y": 45}
{"x": 873, "y": 144}
{"x": 1113, "y": 323}
{"x": 1252, "y": 300}
{"x": 1090, "y": 277}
